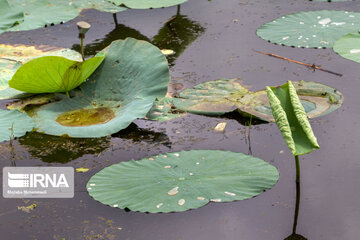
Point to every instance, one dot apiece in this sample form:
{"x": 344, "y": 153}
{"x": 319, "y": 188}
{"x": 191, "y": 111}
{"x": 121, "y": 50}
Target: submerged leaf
{"x": 291, "y": 118}
{"x": 14, "y": 124}
{"x": 13, "y": 56}
{"x": 133, "y": 74}
{"x": 174, "y": 182}
{"x": 51, "y": 74}
{"x": 226, "y": 95}
{"x": 318, "y": 29}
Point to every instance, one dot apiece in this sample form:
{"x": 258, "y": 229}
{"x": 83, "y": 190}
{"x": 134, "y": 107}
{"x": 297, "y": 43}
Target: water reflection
{"x": 53, "y": 149}
{"x": 136, "y": 134}
{"x": 176, "y": 34}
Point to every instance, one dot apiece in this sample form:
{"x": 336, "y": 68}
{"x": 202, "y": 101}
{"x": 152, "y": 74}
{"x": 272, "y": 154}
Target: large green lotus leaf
{"x": 212, "y": 98}
{"x": 42, "y": 13}
{"x": 14, "y": 124}
{"x": 226, "y": 95}
{"x": 290, "y": 116}
{"x": 145, "y": 4}
{"x": 164, "y": 110}
{"x": 348, "y": 47}
{"x": 13, "y": 56}
{"x": 133, "y": 74}
{"x": 51, "y": 74}
{"x": 316, "y": 98}
{"x": 318, "y": 29}
{"x": 175, "y": 182}
{"x": 8, "y": 17}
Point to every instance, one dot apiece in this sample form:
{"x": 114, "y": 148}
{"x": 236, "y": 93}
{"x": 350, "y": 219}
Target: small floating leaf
{"x": 318, "y": 29}
{"x": 14, "y": 124}
{"x": 133, "y": 74}
{"x": 147, "y": 186}
{"x": 290, "y": 116}
{"x": 82, "y": 170}
{"x": 51, "y": 74}
{"x": 164, "y": 110}
{"x": 348, "y": 47}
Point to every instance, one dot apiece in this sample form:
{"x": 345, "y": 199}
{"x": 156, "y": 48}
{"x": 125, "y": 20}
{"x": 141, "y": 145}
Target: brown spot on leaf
{"x": 86, "y": 117}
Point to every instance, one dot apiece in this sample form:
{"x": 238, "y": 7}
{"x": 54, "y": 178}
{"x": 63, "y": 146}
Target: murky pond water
{"x": 213, "y": 39}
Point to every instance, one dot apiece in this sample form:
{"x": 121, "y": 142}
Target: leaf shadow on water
{"x": 136, "y": 134}
{"x": 176, "y": 34}
{"x": 53, "y": 149}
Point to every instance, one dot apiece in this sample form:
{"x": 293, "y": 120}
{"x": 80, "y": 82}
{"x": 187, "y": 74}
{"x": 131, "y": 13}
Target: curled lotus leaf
{"x": 14, "y": 124}
{"x": 348, "y": 47}
{"x": 179, "y": 181}
{"x": 315, "y": 29}
{"x": 133, "y": 74}
{"x": 13, "y": 57}
{"x": 291, "y": 118}
{"x": 145, "y": 4}
{"x": 50, "y": 74}
{"x": 226, "y": 95}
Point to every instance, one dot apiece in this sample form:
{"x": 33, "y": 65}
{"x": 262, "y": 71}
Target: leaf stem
{"x": 82, "y": 47}
{"x": 297, "y": 169}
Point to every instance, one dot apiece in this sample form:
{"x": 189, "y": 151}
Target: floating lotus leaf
{"x": 51, "y": 74}
{"x": 317, "y": 99}
{"x": 133, "y": 74}
{"x": 13, "y": 56}
{"x": 145, "y": 4}
{"x": 164, "y": 110}
{"x": 329, "y": 0}
{"x": 290, "y": 116}
{"x": 14, "y": 124}
{"x": 175, "y": 182}
{"x": 348, "y": 47}
{"x": 213, "y": 97}
{"x": 8, "y": 17}
{"x": 226, "y": 95}
{"x": 318, "y": 29}
{"x": 42, "y": 13}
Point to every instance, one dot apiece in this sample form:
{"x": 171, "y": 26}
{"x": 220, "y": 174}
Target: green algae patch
{"x": 86, "y": 117}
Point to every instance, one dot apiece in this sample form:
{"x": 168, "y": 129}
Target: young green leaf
{"x": 290, "y": 116}
{"x": 51, "y": 74}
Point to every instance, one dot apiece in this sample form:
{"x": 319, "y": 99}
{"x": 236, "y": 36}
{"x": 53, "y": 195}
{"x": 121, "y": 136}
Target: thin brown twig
{"x": 313, "y": 66}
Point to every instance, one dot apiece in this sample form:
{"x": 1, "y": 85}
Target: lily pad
{"x": 14, "y": 124}
{"x": 8, "y": 17}
{"x": 290, "y": 116}
{"x": 101, "y": 5}
{"x": 133, "y": 74}
{"x": 14, "y": 56}
{"x": 317, "y": 29}
{"x": 226, "y": 95}
{"x": 348, "y": 47}
{"x": 175, "y": 182}
{"x": 145, "y": 4}
{"x": 50, "y": 74}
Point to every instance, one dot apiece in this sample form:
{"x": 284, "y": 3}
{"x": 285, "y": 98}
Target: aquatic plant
{"x": 348, "y": 47}
{"x": 14, "y": 124}
{"x": 313, "y": 29}
{"x": 179, "y": 181}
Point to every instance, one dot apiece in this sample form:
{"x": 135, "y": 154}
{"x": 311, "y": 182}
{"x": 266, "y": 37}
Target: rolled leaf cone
{"x": 291, "y": 118}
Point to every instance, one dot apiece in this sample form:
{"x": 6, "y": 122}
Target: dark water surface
{"x": 214, "y": 40}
